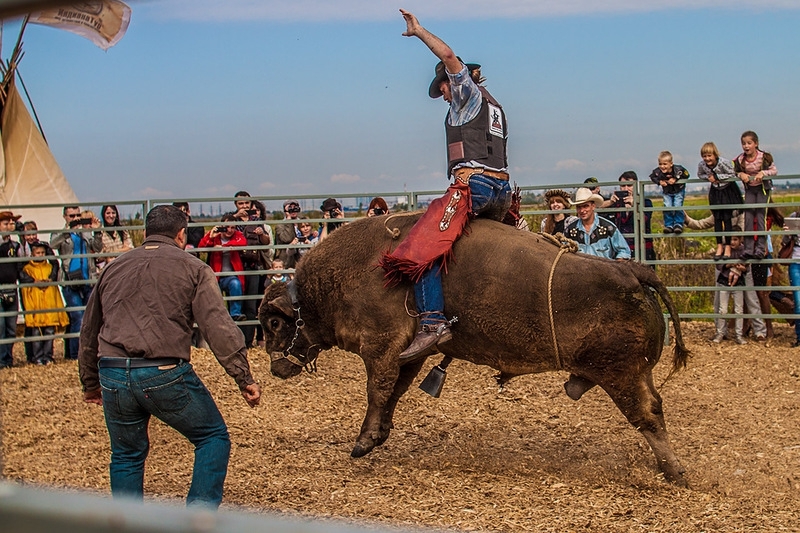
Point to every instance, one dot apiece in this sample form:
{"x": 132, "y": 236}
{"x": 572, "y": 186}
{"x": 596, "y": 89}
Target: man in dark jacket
{"x": 9, "y": 273}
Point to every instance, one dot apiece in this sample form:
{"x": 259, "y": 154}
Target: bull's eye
{"x": 274, "y": 323}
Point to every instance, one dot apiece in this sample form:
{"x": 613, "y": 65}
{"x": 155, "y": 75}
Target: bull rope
{"x": 565, "y": 245}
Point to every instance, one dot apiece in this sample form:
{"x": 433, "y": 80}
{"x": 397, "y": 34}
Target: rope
{"x": 394, "y": 233}
{"x": 565, "y": 245}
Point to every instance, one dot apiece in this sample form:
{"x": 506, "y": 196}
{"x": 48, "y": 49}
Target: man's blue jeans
{"x": 674, "y": 218}
{"x": 75, "y": 296}
{"x": 231, "y": 286}
{"x": 490, "y": 199}
{"x": 794, "y": 279}
{"x": 180, "y": 400}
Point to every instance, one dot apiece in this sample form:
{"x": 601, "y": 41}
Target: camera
{"x": 220, "y": 229}
{"x": 333, "y": 212}
{"x": 80, "y": 222}
{"x": 378, "y": 211}
{"x": 621, "y": 194}
{"x": 293, "y": 209}
{"x": 252, "y": 212}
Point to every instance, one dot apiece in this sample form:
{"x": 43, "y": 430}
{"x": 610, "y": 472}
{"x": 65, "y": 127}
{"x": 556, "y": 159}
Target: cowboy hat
{"x": 8, "y": 215}
{"x": 329, "y": 204}
{"x": 584, "y": 195}
{"x": 557, "y": 193}
{"x": 441, "y": 75}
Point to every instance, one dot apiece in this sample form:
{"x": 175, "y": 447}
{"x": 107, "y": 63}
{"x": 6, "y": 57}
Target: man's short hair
{"x": 68, "y": 207}
{"x": 229, "y": 217}
{"x": 628, "y": 175}
{"x": 181, "y": 205}
{"x": 166, "y": 220}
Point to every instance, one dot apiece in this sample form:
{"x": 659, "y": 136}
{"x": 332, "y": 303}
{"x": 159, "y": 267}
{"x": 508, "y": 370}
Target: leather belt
{"x": 137, "y": 362}
{"x": 464, "y": 173}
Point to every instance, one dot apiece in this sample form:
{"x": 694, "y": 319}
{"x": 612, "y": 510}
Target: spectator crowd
{"x": 46, "y": 285}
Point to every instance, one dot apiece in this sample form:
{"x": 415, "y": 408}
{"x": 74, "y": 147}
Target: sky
{"x": 281, "y": 98}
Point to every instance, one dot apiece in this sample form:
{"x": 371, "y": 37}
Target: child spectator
{"x": 306, "y": 234}
{"x": 722, "y": 191}
{"x": 752, "y": 166}
{"x": 38, "y": 269}
{"x": 277, "y": 264}
{"x": 668, "y": 176}
{"x": 731, "y": 275}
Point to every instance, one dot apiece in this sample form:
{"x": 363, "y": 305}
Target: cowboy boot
{"x": 429, "y": 336}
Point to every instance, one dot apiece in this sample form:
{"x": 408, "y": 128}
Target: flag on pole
{"x": 103, "y": 22}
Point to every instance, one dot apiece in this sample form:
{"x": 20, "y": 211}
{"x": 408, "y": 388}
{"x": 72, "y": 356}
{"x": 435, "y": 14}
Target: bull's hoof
{"x": 577, "y": 386}
{"x": 675, "y": 476}
{"x": 359, "y": 450}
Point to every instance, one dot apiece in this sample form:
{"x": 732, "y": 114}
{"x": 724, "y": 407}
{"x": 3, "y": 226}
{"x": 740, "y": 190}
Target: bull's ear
{"x": 282, "y": 303}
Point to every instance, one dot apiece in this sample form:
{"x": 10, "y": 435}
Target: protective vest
{"x": 482, "y": 139}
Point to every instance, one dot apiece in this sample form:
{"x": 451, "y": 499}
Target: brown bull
{"x": 597, "y": 319}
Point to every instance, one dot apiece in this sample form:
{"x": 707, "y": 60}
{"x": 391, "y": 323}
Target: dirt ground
{"x": 526, "y": 458}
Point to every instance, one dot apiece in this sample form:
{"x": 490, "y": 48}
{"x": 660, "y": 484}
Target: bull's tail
{"x": 680, "y": 354}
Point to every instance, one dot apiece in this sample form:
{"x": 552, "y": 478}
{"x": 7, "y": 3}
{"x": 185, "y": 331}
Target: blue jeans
{"x": 794, "y": 279}
{"x": 490, "y": 199}
{"x": 674, "y": 218}
{"x": 75, "y": 296}
{"x": 179, "y": 399}
{"x": 8, "y": 330}
{"x": 231, "y": 286}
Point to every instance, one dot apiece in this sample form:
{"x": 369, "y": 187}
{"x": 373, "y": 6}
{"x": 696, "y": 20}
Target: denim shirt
{"x": 608, "y": 242}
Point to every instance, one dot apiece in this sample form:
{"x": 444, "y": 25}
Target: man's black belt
{"x": 137, "y": 362}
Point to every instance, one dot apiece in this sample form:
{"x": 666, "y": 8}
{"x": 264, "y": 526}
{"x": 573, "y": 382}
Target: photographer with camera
{"x": 253, "y": 259}
{"x": 286, "y": 234}
{"x": 73, "y": 241}
{"x": 330, "y": 209}
{"x": 377, "y": 207}
{"x": 623, "y": 199}
{"x": 223, "y": 261}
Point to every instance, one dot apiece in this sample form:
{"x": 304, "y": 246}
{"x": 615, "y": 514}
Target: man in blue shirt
{"x": 594, "y": 234}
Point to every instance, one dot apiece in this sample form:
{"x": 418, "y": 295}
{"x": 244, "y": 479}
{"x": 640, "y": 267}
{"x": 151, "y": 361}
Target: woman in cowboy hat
{"x": 556, "y": 200}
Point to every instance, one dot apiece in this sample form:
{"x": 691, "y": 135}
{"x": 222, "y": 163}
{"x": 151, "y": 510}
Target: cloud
{"x": 345, "y": 178}
{"x": 266, "y": 186}
{"x": 152, "y": 192}
{"x": 372, "y": 10}
{"x": 570, "y": 164}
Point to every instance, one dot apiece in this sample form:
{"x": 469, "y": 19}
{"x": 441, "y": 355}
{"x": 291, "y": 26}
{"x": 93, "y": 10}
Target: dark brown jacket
{"x": 145, "y": 304}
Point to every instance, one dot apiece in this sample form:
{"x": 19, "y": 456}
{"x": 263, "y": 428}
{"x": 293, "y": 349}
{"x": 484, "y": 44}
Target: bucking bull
{"x": 523, "y": 306}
